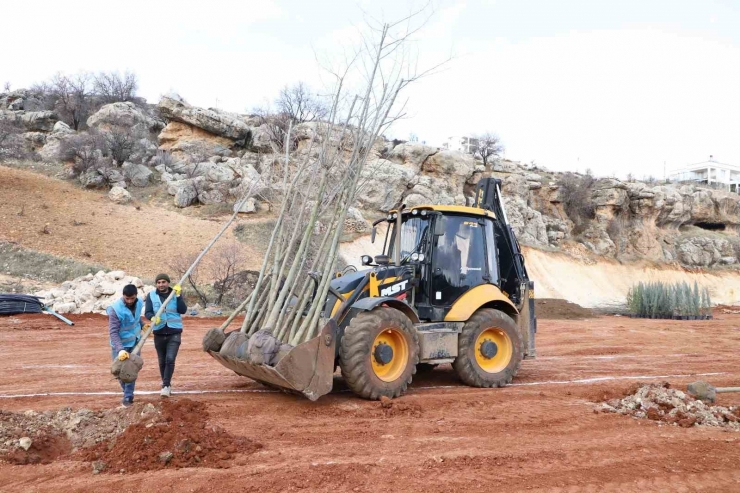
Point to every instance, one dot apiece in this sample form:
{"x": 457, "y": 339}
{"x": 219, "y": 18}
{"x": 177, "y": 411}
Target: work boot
{"x": 165, "y": 392}
{"x": 127, "y": 401}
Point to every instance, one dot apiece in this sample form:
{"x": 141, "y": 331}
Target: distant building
{"x": 713, "y": 173}
{"x": 468, "y": 145}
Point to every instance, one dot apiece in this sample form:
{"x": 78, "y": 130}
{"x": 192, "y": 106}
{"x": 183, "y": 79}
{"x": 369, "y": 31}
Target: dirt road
{"x": 540, "y": 434}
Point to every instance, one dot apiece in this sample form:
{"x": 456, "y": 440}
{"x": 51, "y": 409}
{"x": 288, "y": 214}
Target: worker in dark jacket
{"x": 167, "y": 328}
{"x": 124, "y": 329}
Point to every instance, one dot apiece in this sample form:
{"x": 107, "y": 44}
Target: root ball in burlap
{"x": 262, "y": 348}
{"x": 128, "y": 369}
{"x": 231, "y": 343}
{"x": 213, "y": 340}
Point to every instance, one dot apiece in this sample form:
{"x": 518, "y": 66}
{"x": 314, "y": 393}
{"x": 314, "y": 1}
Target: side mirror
{"x": 372, "y": 234}
{"x": 367, "y": 260}
{"x": 440, "y": 225}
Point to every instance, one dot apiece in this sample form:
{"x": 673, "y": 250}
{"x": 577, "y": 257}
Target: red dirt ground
{"x": 540, "y": 434}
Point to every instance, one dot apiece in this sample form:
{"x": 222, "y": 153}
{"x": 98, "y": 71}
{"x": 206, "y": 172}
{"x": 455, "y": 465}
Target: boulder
{"x": 36, "y": 140}
{"x": 700, "y": 251}
{"x": 215, "y": 122}
{"x": 62, "y": 128}
{"x": 136, "y": 174}
{"x": 248, "y": 207}
{"x": 21, "y": 99}
{"x": 526, "y": 222}
{"x": 384, "y": 184}
{"x": 185, "y": 193}
{"x": 92, "y": 179}
{"x": 187, "y": 142}
{"x": 40, "y": 121}
{"x": 119, "y": 195}
{"x": 412, "y": 154}
{"x": 123, "y": 114}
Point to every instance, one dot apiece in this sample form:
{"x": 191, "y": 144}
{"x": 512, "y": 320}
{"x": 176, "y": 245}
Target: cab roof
{"x": 460, "y": 209}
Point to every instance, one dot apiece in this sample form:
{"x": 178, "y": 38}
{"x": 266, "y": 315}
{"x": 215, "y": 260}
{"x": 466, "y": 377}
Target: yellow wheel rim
{"x": 493, "y": 350}
{"x": 389, "y": 355}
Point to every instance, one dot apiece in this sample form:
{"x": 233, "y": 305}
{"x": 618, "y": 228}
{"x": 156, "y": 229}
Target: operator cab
{"x": 450, "y": 249}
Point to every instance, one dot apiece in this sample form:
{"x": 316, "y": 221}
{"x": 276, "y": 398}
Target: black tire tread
{"x": 467, "y": 368}
{"x": 356, "y": 346}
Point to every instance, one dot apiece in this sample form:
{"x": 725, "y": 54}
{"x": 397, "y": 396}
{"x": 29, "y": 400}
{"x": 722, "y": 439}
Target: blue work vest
{"x": 169, "y": 316}
{"x": 130, "y": 322}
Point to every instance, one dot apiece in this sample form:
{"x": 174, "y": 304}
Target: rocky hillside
{"x": 209, "y": 156}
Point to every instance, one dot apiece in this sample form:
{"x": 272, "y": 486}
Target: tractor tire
{"x": 489, "y": 350}
{"x": 378, "y": 353}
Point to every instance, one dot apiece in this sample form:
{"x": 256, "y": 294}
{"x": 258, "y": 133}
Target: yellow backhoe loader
{"x": 450, "y": 287}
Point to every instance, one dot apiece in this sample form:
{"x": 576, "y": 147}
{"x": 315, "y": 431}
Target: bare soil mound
{"x": 40, "y": 437}
{"x": 557, "y": 309}
{"x": 179, "y": 437}
{"x": 143, "y": 437}
{"x": 659, "y": 402}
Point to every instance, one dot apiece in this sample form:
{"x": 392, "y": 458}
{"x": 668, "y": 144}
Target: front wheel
{"x": 489, "y": 350}
{"x": 378, "y": 353}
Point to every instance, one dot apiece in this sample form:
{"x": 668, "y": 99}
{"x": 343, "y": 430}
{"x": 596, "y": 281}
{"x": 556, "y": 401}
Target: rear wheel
{"x": 378, "y": 353}
{"x": 489, "y": 350}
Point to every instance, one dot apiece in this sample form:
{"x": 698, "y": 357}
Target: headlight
{"x": 421, "y": 257}
{"x": 414, "y": 212}
{"x": 414, "y": 257}
{"x": 366, "y": 260}
{"x": 390, "y": 216}
{"x": 394, "y": 216}
{"x": 424, "y": 212}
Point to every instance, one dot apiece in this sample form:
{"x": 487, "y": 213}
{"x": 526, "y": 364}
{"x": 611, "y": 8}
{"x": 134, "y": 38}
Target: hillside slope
{"x": 140, "y": 241}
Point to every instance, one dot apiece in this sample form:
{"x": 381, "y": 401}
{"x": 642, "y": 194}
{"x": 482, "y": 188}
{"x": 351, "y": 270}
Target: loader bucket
{"x": 307, "y": 369}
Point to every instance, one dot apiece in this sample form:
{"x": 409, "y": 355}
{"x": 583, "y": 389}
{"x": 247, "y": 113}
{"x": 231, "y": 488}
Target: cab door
{"x": 459, "y": 258}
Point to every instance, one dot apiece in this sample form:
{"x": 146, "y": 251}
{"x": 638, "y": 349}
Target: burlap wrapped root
{"x": 213, "y": 340}
{"x": 263, "y": 348}
{"x": 128, "y": 369}
{"x": 231, "y": 343}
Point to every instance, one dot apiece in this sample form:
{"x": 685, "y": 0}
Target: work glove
{"x": 156, "y": 320}
{"x": 122, "y": 355}
{"x": 177, "y": 289}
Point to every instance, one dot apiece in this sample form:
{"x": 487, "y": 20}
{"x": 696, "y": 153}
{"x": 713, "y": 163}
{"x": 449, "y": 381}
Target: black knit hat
{"x": 163, "y": 277}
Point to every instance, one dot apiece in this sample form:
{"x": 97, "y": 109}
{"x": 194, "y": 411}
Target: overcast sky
{"x": 615, "y": 86}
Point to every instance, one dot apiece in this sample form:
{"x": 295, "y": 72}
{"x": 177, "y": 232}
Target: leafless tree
{"x": 6, "y": 86}
{"x": 575, "y": 193}
{"x": 276, "y": 126}
{"x": 85, "y": 149}
{"x": 113, "y": 87}
{"x": 122, "y": 141}
{"x": 72, "y": 96}
{"x": 322, "y": 186}
{"x": 300, "y": 104}
{"x": 180, "y": 264}
{"x": 489, "y": 147}
{"x": 224, "y": 263}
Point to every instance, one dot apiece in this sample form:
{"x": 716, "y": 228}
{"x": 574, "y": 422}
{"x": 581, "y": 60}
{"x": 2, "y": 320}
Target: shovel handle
{"x": 727, "y": 389}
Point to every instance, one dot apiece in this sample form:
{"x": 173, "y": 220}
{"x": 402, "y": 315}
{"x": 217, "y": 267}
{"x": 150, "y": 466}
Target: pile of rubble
{"x": 34, "y": 437}
{"x": 91, "y": 293}
{"x": 659, "y": 402}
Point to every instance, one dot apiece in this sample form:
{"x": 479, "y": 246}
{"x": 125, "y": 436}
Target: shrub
{"x": 86, "y": 150}
{"x": 575, "y": 192}
{"x": 660, "y": 300}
